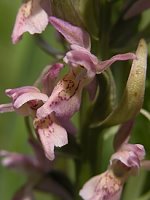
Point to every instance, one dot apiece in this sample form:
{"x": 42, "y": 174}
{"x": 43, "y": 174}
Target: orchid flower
{"x": 31, "y": 17}
{"x": 36, "y": 168}
{"x": 80, "y": 45}
{"x": 108, "y": 185}
{"x": 126, "y": 161}
{"x": 26, "y": 100}
{"x": 66, "y": 96}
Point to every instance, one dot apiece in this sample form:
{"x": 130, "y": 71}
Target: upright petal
{"x": 138, "y": 149}
{"x": 126, "y": 161}
{"x": 51, "y": 134}
{"x": 123, "y": 134}
{"x": 81, "y": 57}
{"x": 101, "y": 187}
{"x": 31, "y": 18}
{"x": 73, "y": 34}
{"x": 50, "y": 76}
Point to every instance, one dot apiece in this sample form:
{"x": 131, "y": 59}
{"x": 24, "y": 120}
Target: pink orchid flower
{"x": 108, "y": 185}
{"x": 37, "y": 168}
{"x": 125, "y": 162}
{"x": 32, "y": 17}
{"x": 26, "y": 100}
{"x": 66, "y": 96}
{"x": 80, "y": 44}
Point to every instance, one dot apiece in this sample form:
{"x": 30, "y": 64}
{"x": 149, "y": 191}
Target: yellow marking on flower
{"x": 27, "y": 8}
{"x": 67, "y": 87}
{"x": 108, "y": 184}
{"x": 42, "y": 123}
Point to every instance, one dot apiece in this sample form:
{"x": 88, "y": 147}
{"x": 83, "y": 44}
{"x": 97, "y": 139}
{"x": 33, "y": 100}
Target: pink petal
{"x": 127, "y": 159}
{"x": 6, "y": 108}
{"x": 138, "y": 149}
{"x": 68, "y": 125}
{"x": 101, "y": 187}
{"x": 14, "y": 93}
{"x": 18, "y": 161}
{"x": 49, "y": 77}
{"x": 123, "y": 134}
{"x": 26, "y": 97}
{"x": 73, "y": 34}
{"x": 138, "y": 7}
{"x": 82, "y": 57}
{"x": 103, "y": 65}
{"x": 51, "y": 134}
{"x": 31, "y": 18}
{"x": 65, "y": 98}
{"x": 125, "y": 163}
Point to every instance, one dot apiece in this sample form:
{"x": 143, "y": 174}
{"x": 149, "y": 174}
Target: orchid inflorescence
{"x": 52, "y": 101}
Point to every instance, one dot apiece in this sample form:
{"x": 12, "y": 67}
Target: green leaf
{"x": 124, "y": 31}
{"x": 132, "y": 99}
{"x": 145, "y": 33}
{"x": 89, "y": 11}
{"x": 131, "y": 192}
{"x": 145, "y": 196}
{"x": 145, "y": 113}
{"x": 106, "y": 98}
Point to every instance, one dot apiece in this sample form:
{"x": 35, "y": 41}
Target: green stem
{"x": 91, "y": 139}
{"x": 48, "y": 48}
{"x": 28, "y": 127}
